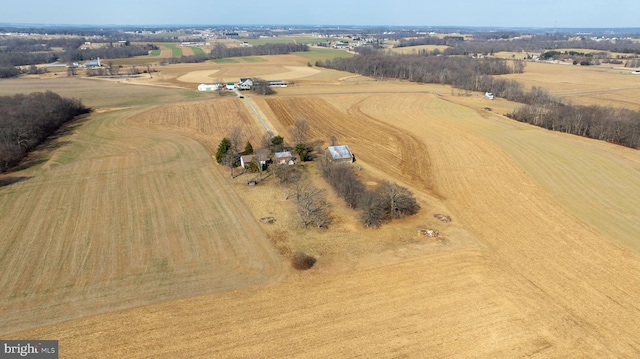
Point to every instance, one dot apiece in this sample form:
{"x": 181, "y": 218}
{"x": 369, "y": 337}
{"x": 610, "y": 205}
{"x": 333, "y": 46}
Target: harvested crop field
{"x": 540, "y": 260}
{"x": 584, "y": 85}
{"x": 120, "y": 217}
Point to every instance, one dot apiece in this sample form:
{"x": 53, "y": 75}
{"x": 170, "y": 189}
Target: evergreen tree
{"x": 223, "y": 148}
{"x": 248, "y": 149}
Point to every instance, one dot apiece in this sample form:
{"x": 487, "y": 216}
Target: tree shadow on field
{"x": 6, "y": 181}
{"x": 40, "y": 154}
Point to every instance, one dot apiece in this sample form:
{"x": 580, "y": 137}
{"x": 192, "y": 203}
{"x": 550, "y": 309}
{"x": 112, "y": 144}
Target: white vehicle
{"x": 488, "y": 95}
{"x": 636, "y": 72}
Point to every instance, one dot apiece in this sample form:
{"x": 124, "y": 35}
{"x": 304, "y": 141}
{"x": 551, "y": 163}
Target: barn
{"x": 340, "y": 154}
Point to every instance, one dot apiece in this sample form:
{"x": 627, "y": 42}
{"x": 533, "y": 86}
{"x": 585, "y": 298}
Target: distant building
{"x": 247, "y": 84}
{"x": 231, "y": 86}
{"x": 277, "y": 83}
{"x": 340, "y": 154}
{"x": 208, "y": 87}
{"x": 93, "y": 63}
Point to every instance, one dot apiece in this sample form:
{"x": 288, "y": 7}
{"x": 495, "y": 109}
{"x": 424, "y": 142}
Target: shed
{"x": 340, "y": 154}
{"x": 284, "y": 158}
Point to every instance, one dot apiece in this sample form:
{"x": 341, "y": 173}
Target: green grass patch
{"x": 175, "y": 50}
{"x": 197, "y": 50}
{"x": 155, "y": 52}
{"x": 287, "y": 40}
{"x": 228, "y": 60}
{"x": 235, "y": 60}
{"x": 316, "y": 54}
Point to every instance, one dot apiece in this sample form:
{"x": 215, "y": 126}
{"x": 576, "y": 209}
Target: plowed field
{"x": 121, "y": 217}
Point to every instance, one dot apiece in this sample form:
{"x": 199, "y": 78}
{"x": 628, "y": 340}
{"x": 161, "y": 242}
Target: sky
{"x": 491, "y": 13}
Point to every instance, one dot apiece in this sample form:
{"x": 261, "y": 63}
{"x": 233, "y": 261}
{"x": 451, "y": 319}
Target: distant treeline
{"x": 26, "y": 120}
{"x": 429, "y": 40}
{"x": 489, "y": 43}
{"x": 540, "y": 44}
{"x": 615, "y": 125}
{"x": 461, "y": 72}
{"x": 220, "y": 51}
{"x": 22, "y": 52}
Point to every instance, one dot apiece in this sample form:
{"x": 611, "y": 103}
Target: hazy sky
{"x": 493, "y": 13}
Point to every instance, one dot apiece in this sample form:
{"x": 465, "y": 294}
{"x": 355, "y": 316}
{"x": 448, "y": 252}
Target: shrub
{"x": 302, "y": 261}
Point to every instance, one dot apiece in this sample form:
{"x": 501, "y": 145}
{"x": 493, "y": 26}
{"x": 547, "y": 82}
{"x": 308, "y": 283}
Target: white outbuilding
{"x": 208, "y": 87}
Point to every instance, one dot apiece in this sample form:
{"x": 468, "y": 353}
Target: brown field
{"x": 584, "y": 85}
{"x": 541, "y": 258}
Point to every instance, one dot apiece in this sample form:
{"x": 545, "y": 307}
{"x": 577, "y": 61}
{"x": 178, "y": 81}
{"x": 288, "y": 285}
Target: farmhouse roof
{"x": 246, "y": 159}
{"x": 261, "y": 157}
{"x": 283, "y": 154}
{"x": 340, "y": 152}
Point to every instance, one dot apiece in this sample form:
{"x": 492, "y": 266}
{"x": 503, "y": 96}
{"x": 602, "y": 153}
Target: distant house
{"x": 246, "y": 159}
{"x": 488, "y": 95}
{"x": 230, "y": 85}
{"x": 340, "y": 154}
{"x": 245, "y": 85}
{"x": 284, "y": 158}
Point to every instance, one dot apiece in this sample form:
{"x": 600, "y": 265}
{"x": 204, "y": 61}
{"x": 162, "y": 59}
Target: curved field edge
{"x": 119, "y": 217}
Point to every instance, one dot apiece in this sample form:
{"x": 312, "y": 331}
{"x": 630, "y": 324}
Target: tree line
{"x": 461, "y": 72}
{"x": 220, "y": 51}
{"x": 26, "y": 120}
{"x": 615, "y": 125}
{"x": 21, "y": 52}
{"x": 386, "y": 202}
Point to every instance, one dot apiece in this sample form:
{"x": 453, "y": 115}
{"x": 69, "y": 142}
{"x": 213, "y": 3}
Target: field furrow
{"x": 128, "y": 218}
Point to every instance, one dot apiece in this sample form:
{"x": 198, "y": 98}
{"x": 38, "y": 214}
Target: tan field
{"x": 584, "y": 85}
{"x": 418, "y": 49}
{"x": 541, "y": 258}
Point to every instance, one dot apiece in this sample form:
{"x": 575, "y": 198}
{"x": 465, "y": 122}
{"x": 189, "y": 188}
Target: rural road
{"x": 254, "y": 110}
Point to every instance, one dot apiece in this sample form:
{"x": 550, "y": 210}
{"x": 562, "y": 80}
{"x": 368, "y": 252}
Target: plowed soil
{"x": 121, "y": 217}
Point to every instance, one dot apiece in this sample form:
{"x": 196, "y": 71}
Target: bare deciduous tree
{"x": 372, "y": 210}
{"x": 312, "y": 206}
{"x": 299, "y": 132}
{"x": 286, "y": 176}
{"x": 396, "y": 200}
{"x": 236, "y": 136}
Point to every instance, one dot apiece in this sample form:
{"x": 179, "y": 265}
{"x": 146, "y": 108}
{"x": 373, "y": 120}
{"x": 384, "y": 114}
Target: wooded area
{"x": 26, "y": 120}
{"x": 221, "y": 51}
{"x": 21, "y": 52}
{"x": 462, "y": 72}
{"x": 615, "y": 125}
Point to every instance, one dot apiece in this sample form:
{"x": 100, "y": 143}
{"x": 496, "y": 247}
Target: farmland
{"x": 541, "y": 257}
